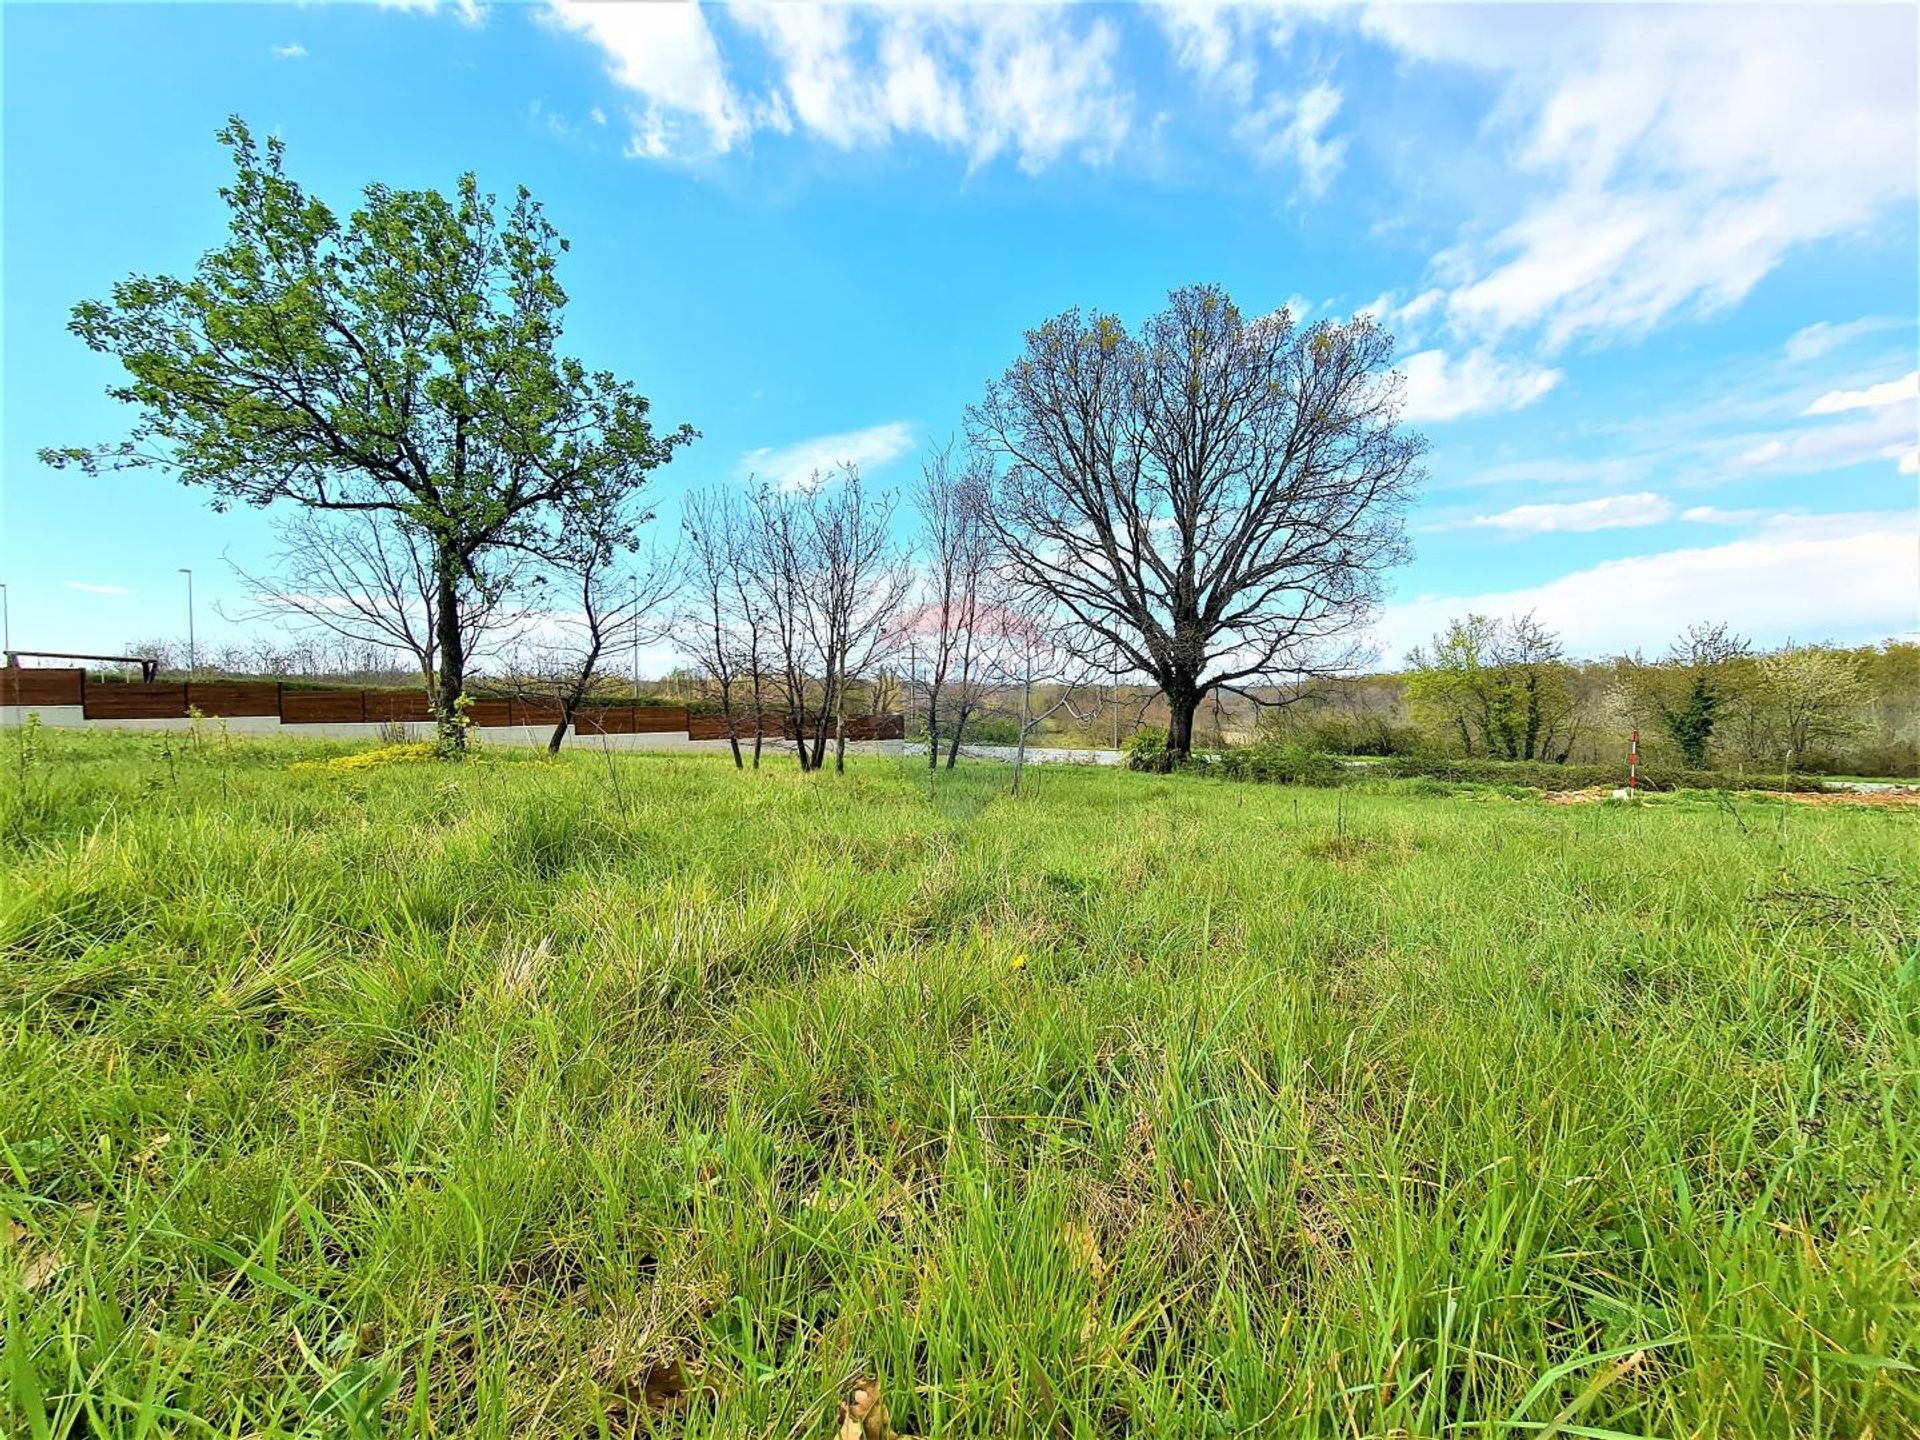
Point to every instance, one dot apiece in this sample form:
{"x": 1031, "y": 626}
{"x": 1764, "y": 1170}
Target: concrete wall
{"x": 256, "y": 726}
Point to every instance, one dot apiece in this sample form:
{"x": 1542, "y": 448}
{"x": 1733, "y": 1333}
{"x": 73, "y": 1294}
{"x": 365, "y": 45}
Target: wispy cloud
{"x": 1037, "y": 83}
{"x": 1810, "y": 342}
{"x": 288, "y": 52}
{"x": 1873, "y": 397}
{"x": 1678, "y": 156}
{"x": 1444, "y": 387}
{"x": 86, "y": 587}
{"x": 1609, "y": 512}
{"x": 796, "y": 463}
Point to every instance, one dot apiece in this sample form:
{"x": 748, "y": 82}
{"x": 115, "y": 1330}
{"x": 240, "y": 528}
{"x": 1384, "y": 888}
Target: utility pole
{"x": 6, "y": 624}
{"x": 192, "y": 656}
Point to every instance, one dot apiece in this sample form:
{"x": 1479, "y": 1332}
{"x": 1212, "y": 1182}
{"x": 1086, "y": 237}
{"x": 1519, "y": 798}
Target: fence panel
{"x": 136, "y": 702}
{"x": 22, "y": 686}
{"x": 491, "y": 712}
{"x": 389, "y": 706}
{"x": 660, "y": 719}
{"x": 233, "y": 697}
{"x": 322, "y": 707}
{"x": 604, "y": 720}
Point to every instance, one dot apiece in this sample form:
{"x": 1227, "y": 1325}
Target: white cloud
{"x": 1221, "y": 46}
{"x": 1852, "y": 577}
{"x": 1293, "y": 129}
{"x": 795, "y": 464}
{"x": 1886, "y": 432}
{"x": 469, "y": 11}
{"x": 1035, "y": 83}
{"x": 1608, "y": 512}
{"x": 1688, "y": 151}
{"x": 1212, "y": 41}
{"x": 1823, "y": 337}
{"x": 1440, "y": 387}
{"x": 1714, "y": 515}
{"x": 287, "y": 52}
{"x": 88, "y": 588}
{"x": 667, "y": 55}
{"x": 1874, "y": 397}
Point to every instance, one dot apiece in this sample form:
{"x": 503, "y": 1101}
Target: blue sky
{"x": 1653, "y": 272}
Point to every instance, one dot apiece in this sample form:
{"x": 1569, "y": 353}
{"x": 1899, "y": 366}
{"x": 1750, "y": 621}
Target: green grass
{"x": 470, "y": 1099}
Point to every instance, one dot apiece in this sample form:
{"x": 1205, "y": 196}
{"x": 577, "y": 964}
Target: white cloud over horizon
{"x": 1847, "y": 578}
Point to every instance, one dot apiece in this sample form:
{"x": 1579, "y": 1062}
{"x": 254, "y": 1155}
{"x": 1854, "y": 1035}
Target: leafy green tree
{"x": 1816, "y": 695}
{"x": 1500, "y": 685}
{"x": 404, "y": 360}
{"x": 1690, "y": 691}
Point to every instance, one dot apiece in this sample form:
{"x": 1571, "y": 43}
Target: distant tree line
{"x": 1505, "y": 689}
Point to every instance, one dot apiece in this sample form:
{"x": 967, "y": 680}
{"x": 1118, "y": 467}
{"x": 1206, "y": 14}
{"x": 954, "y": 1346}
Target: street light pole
{"x": 6, "y": 622}
{"x": 192, "y": 658}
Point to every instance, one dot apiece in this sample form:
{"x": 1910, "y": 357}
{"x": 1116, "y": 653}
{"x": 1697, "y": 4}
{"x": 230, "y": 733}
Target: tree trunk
{"x": 733, "y": 726}
{"x": 1026, "y": 708}
{"x": 840, "y": 732}
{"x": 560, "y": 731}
{"x": 1183, "y": 702}
{"x": 451, "y": 680}
{"x": 759, "y": 712}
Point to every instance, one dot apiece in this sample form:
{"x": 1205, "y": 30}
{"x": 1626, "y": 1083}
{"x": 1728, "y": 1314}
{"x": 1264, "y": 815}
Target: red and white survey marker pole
{"x": 1633, "y": 763}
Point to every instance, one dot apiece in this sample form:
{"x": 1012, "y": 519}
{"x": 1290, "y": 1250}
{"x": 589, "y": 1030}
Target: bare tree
{"x": 958, "y": 542}
{"x": 719, "y": 621}
{"x": 605, "y": 597}
{"x": 1031, "y": 648}
{"x": 827, "y": 585}
{"x": 367, "y": 578}
{"x": 776, "y": 552}
{"x": 1216, "y": 498}
{"x": 859, "y": 585}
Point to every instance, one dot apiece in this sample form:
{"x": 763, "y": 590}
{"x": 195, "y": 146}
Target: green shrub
{"x": 1273, "y": 763}
{"x": 1147, "y": 751}
{"x": 1542, "y": 775}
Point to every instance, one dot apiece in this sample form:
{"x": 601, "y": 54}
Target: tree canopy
{"x": 1213, "y": 499}
{"x": 402, "y": 360}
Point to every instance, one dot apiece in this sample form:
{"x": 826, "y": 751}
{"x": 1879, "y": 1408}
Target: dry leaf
{"x": 665, "y": 1386}
{"x": 863, "y": 1414}
{"x": 152, "y": 1150}
{"x": 41, "y": 1268}
{"x": 1084, "y": 1247}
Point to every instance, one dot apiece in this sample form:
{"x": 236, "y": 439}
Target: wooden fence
{"x": 245, "y": 698}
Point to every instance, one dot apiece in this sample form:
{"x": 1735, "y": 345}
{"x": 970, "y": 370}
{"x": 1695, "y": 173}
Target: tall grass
{"x": 522, "y": 1097}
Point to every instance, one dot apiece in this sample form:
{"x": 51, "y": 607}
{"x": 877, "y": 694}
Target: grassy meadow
{"x": 634, "y": 1095}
